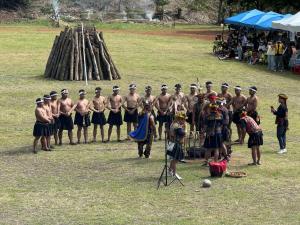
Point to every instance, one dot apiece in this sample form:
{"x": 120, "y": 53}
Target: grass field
{"x": 105, "y": 183}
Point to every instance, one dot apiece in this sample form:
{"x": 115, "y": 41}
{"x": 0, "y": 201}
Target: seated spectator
{"x": 254, "y": 58}
{"x": 261, "y": 57}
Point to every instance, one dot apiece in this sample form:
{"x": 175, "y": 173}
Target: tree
{"x": 160, "y": 6}
{"x": 14, "y": 4}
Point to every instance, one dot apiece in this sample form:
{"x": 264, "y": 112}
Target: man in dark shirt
{"x": 282, "y": 122}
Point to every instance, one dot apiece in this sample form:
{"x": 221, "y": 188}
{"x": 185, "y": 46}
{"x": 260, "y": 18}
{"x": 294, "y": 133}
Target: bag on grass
{"x": 217, "y": 169}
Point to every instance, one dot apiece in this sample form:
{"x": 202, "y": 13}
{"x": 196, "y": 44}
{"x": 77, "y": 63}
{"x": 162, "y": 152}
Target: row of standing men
{"x": 57, "y": 113}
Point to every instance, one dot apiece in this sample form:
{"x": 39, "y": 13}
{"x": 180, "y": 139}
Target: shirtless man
{"x": 209, "y": 89}
{"x": 48, "y": 110}
{"x": 151, "y": 100}
{"x": 177, "y": 101}
{"x": 114, "y": 104}
{"x": 65, "y": 117}
{"x": 131, "y": 104}
{"x": 41, "y": 126}
{"x": 224, "y": 94}
{"x": 82, "y": 116}
{"x": 190, "y": 101}
{"x": 162, "y": 109}
{"x": 238, "y": 102}
{"x": 98, "y": 118}
{"x": 252, "y": 102}
{"x": 54, "y": 104}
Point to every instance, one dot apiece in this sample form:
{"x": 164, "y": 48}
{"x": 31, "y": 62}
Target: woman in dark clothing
{"x": 282, "y": 122}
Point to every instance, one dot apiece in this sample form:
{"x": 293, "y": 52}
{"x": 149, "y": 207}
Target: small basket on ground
{"x": 236, "y": 174}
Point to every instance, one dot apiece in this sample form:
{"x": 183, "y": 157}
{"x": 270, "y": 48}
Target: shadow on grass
{"x": 17, "y": 151}
{"x": 147, "y": 179}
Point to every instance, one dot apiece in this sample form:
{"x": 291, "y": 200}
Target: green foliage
{"x": 14, "y": 4}
{"x": 274, "y": 5}
{"x": 161, "y": 3}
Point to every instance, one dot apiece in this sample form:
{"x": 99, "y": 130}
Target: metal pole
{"x": 84, "y": 60}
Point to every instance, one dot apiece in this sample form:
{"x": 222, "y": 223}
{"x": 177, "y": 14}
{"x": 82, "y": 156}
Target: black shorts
{"x": 255, "y": 139}
{"x": 131, "y": 118}
{"x": 98, "y": 118}
{"x": 56, "y": 125}
{"x": 236, "y": 117}
{"x": 115, "y": 119}
{"x": 41, "y": 129}
{"x": 226, "y": 134}
{"x": 162, "y": 118}
{"x": 66, "y": 122}
{"x": 189, "y": 117}
{"x": 214, "y": 141}
{"x": 230, "y": 115}
{"x": 82, "y": 121}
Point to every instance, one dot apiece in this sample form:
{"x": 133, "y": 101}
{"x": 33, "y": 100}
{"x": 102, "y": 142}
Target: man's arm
{"x": 72, "y": 109}
{"x": 122, "y": 102}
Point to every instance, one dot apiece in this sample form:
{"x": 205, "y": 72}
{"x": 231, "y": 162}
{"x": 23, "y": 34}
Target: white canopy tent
{"x": 291, "y": 24}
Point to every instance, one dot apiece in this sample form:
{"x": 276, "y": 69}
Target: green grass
{"x": 105, "y": 184}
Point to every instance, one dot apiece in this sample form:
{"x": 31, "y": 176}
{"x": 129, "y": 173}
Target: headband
{"x": 165, "y": 87}
{"x": 251, "y": 89}
{"x": 65, "y": 92}
{"x": 224, "y": 85}
{"x": 40, "y": 101}
{"x": 116, "y": 88}
{"x": 193, "y": 86}
{"x": 46, "y": 98}
{"x": 238, "y": 88}
{"x": 81, "y": 93}
{"x": 54, "y": 94}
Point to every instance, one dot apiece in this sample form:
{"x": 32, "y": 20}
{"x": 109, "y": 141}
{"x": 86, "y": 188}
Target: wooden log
{"x": 71, "y": 65}
{"x": 93, "y": 57}
{"x": 104, "y": 59}
{"x": 61, "y": 55}
{"x": 63, "y": 65}
{"x": 53, "y": 50}
{"x": 110, "y": 59}
{"x": 97, "y": 52}
{"x": 76, "y": 65}
{"x": 106, "y": 63}
{"x": 80, "y": 68}
{"x": 60, "y": 69}
{"x": 89, "y": 64}
{"x": 55, "y": 57}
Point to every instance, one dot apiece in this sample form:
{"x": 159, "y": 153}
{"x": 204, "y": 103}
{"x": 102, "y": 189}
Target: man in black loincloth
{"x": 98, "y": 118}
{"x": 65, "y": 117}
{"x": 131, "y": 104}
{"x": 252, "y": 103}
{"x": 162, "y": 109}
{"x": 54, "y": 104}
{"x": 41, "y": 126}
{"x": 82, "y": 116}
{"x": 114, "y": 105}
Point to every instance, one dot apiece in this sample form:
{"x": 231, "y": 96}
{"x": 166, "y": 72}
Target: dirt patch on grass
{"x": 207, "y": 35}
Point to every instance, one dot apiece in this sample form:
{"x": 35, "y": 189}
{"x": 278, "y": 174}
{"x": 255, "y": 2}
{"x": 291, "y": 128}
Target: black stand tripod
{"x": 167, "y": 181}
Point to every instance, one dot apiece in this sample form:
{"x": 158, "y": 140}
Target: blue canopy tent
{"x": 265, "y": 23}
{"x": 236, "y": 18}
{"x": 244, "y": 16}
{"x": 251, "y": 18}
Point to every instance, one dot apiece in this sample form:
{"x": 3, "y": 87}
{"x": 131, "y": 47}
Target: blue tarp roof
{"x": 237, "y": 19}
{"x": 255, "y": 19}
{"x": 265, "y": 23}
{"x": 251, "y": 18}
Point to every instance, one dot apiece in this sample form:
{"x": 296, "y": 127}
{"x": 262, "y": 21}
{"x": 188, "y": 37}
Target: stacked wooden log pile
{"x": 78, "y": 55}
